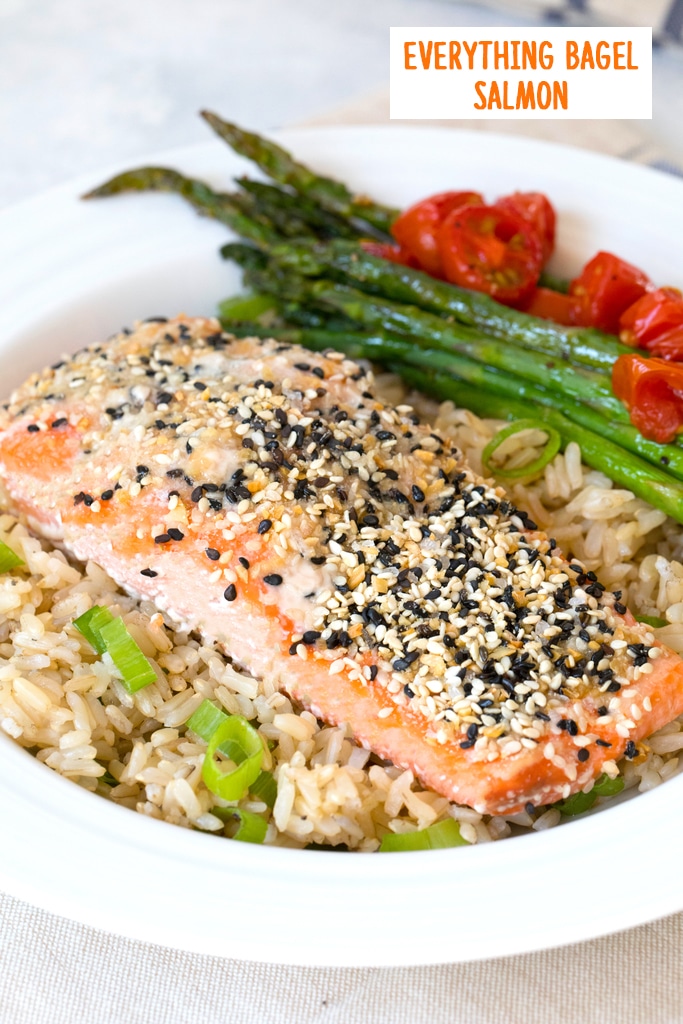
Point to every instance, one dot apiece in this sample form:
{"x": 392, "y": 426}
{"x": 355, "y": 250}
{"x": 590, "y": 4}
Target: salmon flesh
{"x": 266, "y": 497}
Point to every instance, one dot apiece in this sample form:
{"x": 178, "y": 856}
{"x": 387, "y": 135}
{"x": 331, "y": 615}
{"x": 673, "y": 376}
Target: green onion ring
{"x": 206, "y": 719}
{"x": 134, "y": 668}
{"x": 90, "y": 623}
{"x": 232, "y": 785}
{"x": 580, "y": 802}
{"x": 652, "y": 620}
{"x": 252, "y": 827}
{"x": 550, "y": 450}
{"x": 246, "y": 307}
{"x": 265, "y": 788}
{"x": 204, "y": 722}
{"x": 435, "y": 837}
{"x": 8, "y": 559}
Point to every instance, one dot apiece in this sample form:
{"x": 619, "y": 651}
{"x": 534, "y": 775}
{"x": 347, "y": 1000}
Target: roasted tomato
{"x": 395, "y": 253}
{"x": 669, "y": 345}
{"x": 654, "y": 316}
{"x": 604, "y": 289}
{"x": 491, "y": 250}
{"x": 550, "y": 305}
{"x": 652, "y": 391}
{"x": 417, "y": 227}
{"x": 538, "y": 210}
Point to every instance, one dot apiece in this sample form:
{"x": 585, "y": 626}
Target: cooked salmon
{"x": 264, "y": 496}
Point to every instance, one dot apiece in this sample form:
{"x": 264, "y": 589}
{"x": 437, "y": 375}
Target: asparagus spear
{"x": 280, "y": 166}
{"x": 582, "y": 383}
{"x": 475, "y": 309}
{"x": 493, "y": 394}
{"x": 296, "y": 211}
{"x": 627, "y": 470}
{"x": 202, "y": 197}
{"x": 382, "y": 347}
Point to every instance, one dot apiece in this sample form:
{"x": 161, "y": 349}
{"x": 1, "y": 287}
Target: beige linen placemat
{"x": 56, "y": 972}
{"x": 53, "y": 971}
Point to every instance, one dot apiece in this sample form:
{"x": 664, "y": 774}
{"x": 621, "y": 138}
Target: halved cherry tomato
{"x": 654, "y": 314}
{"x": 395, "y": 253}
{"x": 550, "y": 305}
{"x": 669, "y": 345}
{"x": 417, "y": 227}
{"x": 538, "y": 210}
{"x": 491, "y": 250}
{"x": 604, "y": 289}
{"x": 652, "y": 391}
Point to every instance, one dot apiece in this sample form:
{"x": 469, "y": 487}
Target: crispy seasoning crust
{"x": 395, "y": 589}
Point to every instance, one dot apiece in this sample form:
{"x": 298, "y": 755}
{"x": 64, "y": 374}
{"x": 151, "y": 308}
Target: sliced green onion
{"x": 246, "y": 307}
{"x": 550, "y": 449}
{"x": 136, "y": 672}
{"x": 265, "y": 788}
{"x": 90, "y": 624}
{"x": 652, "y": 620}
{"x": 577, "y": 803}
{"x": 605, "y": 786}
{"x": 9, "y": 559}
{"x": 252, "y": 827}
{"x": 556, "y": 284}
{"x": 435, "y": 837}
{"x": 232, "y": 785}
{"x": 580, "y": 802}
{"x": 204, "y": 722}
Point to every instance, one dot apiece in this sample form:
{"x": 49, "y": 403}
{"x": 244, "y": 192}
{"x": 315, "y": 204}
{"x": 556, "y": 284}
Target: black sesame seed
{"x": 148, "y": 572}
{"x": 197, "y": 494}
{"x": 162, "y": 538}
{"x": 107, "y": 495}
{"x": 603, "y": 743}
{"x": 265, "y": 525}
{"x": 583, "y": 754}
{"x": 417, "y": 493}
{"x": 273, "y": 579}
{"x": 212, "y": 554}
{"x": 33, "y": 428}
{"x": 175, "y": 534}
{"x": 310, "y": 636}
{"x": 61, "y": 422}
{"x": 631, "y": 750}
{"x": 244, "y": 562}
{"x": 230, "y": 592}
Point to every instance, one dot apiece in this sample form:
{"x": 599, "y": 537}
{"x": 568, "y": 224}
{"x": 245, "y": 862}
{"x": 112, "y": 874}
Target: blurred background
{"x": 85, "y": 85}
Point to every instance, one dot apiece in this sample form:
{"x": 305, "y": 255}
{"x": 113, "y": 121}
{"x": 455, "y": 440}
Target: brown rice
{"x": 70, "y": 709}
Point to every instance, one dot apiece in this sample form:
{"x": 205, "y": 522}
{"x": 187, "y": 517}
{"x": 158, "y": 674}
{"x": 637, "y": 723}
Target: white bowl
{"x": 72, "y": 273}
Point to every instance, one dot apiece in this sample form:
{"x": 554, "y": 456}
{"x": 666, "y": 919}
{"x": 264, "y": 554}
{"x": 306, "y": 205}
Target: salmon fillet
{"x": 264, "y": 496}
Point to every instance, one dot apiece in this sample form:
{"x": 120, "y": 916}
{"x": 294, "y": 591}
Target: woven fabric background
{"x": 665, "y": 16}
{"x": 76, "y": 975}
